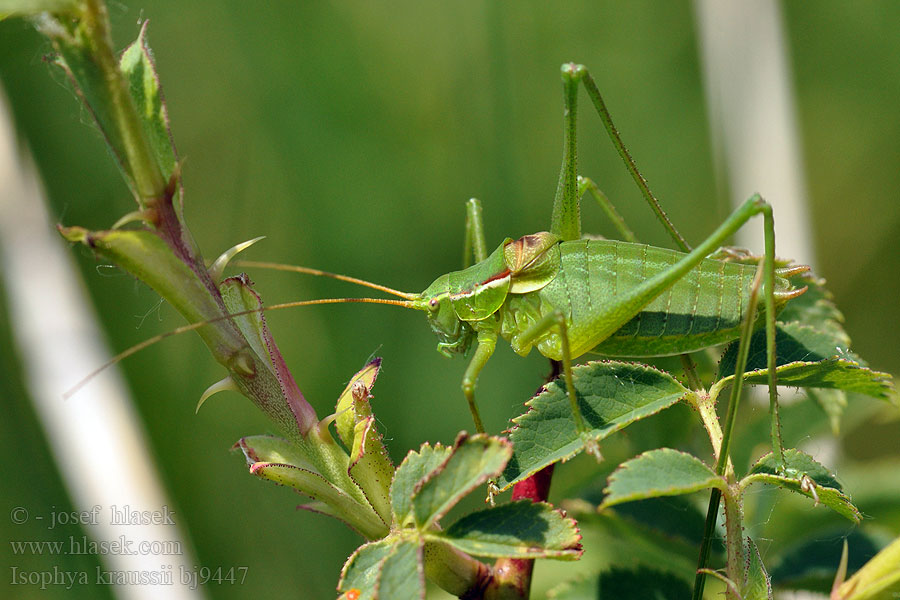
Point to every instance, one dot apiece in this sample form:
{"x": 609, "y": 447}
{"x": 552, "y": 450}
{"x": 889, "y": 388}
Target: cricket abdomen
{"x": 702, "y": 309}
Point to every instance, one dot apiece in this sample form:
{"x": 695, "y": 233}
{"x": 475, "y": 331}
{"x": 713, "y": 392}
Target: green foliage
{"x": 429, "y": 483}
{"x": 803, "y": 474}
{"x": 612, "y": 396}
{"x": 663, "y": 472}
{"x": 522, "y": 529}
{"x": 136, "y": 64}
{"x": 400, "y": 511}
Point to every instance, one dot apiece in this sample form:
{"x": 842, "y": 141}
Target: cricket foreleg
{"x": 487, "y": 341}
{"x": 475, "y": 244}
{"x": 557, "y": 320}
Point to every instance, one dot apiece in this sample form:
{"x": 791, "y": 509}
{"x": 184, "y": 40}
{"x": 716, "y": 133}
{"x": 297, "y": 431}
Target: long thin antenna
{"x": 192, "y": 326}
{"x": 283, "y": 267}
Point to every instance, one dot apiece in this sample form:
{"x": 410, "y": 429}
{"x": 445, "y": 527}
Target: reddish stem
{"x": 512, "y": 576}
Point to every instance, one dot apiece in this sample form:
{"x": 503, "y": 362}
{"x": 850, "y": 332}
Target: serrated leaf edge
{"x": 628, "y": 464}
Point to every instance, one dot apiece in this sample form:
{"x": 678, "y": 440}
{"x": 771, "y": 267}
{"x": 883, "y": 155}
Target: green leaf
{"x": 794, "y": 342}
{"x": 414, "y": 467}
{"x": 474, "y": 460}
{"x": 272, "y": 449}
{"x": 803, "y": 474}
{"x": 136, "y": 64}
{"x": 837, "y": 374}
{"x": 389, "y": 568}
{"x": 757, "y": 585}
{"x": 517, "y": 530}
{"x": 300, "y": 475}
{"x": 362, "y": 569}
{"x": 662, "y": 472}
{"x": 371, "y": 467}
{"x": 816, "y": 308}
{"x": 402, "y": 574}
{"x": 612, "y": 395}
{"x": 808, "y": 357}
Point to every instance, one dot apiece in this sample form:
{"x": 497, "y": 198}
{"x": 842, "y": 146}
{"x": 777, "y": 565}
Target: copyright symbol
{"x": 18, "y": 515}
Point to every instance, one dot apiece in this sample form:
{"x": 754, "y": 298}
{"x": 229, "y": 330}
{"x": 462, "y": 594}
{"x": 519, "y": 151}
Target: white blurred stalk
{"x": 96, "y": 438}
{"x": 746, "y": 70}
{"x": 752, "y": 117}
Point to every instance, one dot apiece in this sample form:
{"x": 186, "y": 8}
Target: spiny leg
{"x": 723, "y": 462}
{"x": 618, "y": 311}
{"x": 566, "y": 218}
{"x": 771, "y": 357}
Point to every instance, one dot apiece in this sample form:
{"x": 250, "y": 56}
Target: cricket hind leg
{"x": 626, "y": 305}
{"x": 566, "y": 217}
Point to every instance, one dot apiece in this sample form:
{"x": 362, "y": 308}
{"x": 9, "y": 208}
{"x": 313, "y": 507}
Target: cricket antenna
{"x": 192, "y": 326}
{"x": 283, "y": 267}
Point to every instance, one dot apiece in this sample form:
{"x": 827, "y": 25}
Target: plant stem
{"x": 149, "y": 182}
{"x": 723, "y": 462}
{"x": 512, "y": 576}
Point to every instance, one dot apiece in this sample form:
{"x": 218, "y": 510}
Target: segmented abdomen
{"x": 702, "y": 309}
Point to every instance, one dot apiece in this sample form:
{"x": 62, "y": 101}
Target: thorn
{"x": 220, "y": 386}
{"x": 218, "y": 267}
{"x": 137, "y": 215}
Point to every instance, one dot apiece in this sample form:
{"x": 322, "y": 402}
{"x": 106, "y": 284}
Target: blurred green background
{"x": 350, "y": 135}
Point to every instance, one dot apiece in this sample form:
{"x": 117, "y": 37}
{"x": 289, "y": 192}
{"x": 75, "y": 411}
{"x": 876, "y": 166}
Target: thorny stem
{"x": 149, "y": 181}
{"x": 690, "y": 371}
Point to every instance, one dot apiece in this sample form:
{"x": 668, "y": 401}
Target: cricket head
{"x": 454, "y": 335}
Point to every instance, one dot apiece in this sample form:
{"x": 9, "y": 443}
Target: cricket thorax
{"x": 520, "y": 314}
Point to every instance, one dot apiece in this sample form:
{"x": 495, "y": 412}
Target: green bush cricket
{"x": 567, "y": 296}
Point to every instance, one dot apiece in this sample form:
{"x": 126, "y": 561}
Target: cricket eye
{"x": 433, "y": 304}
